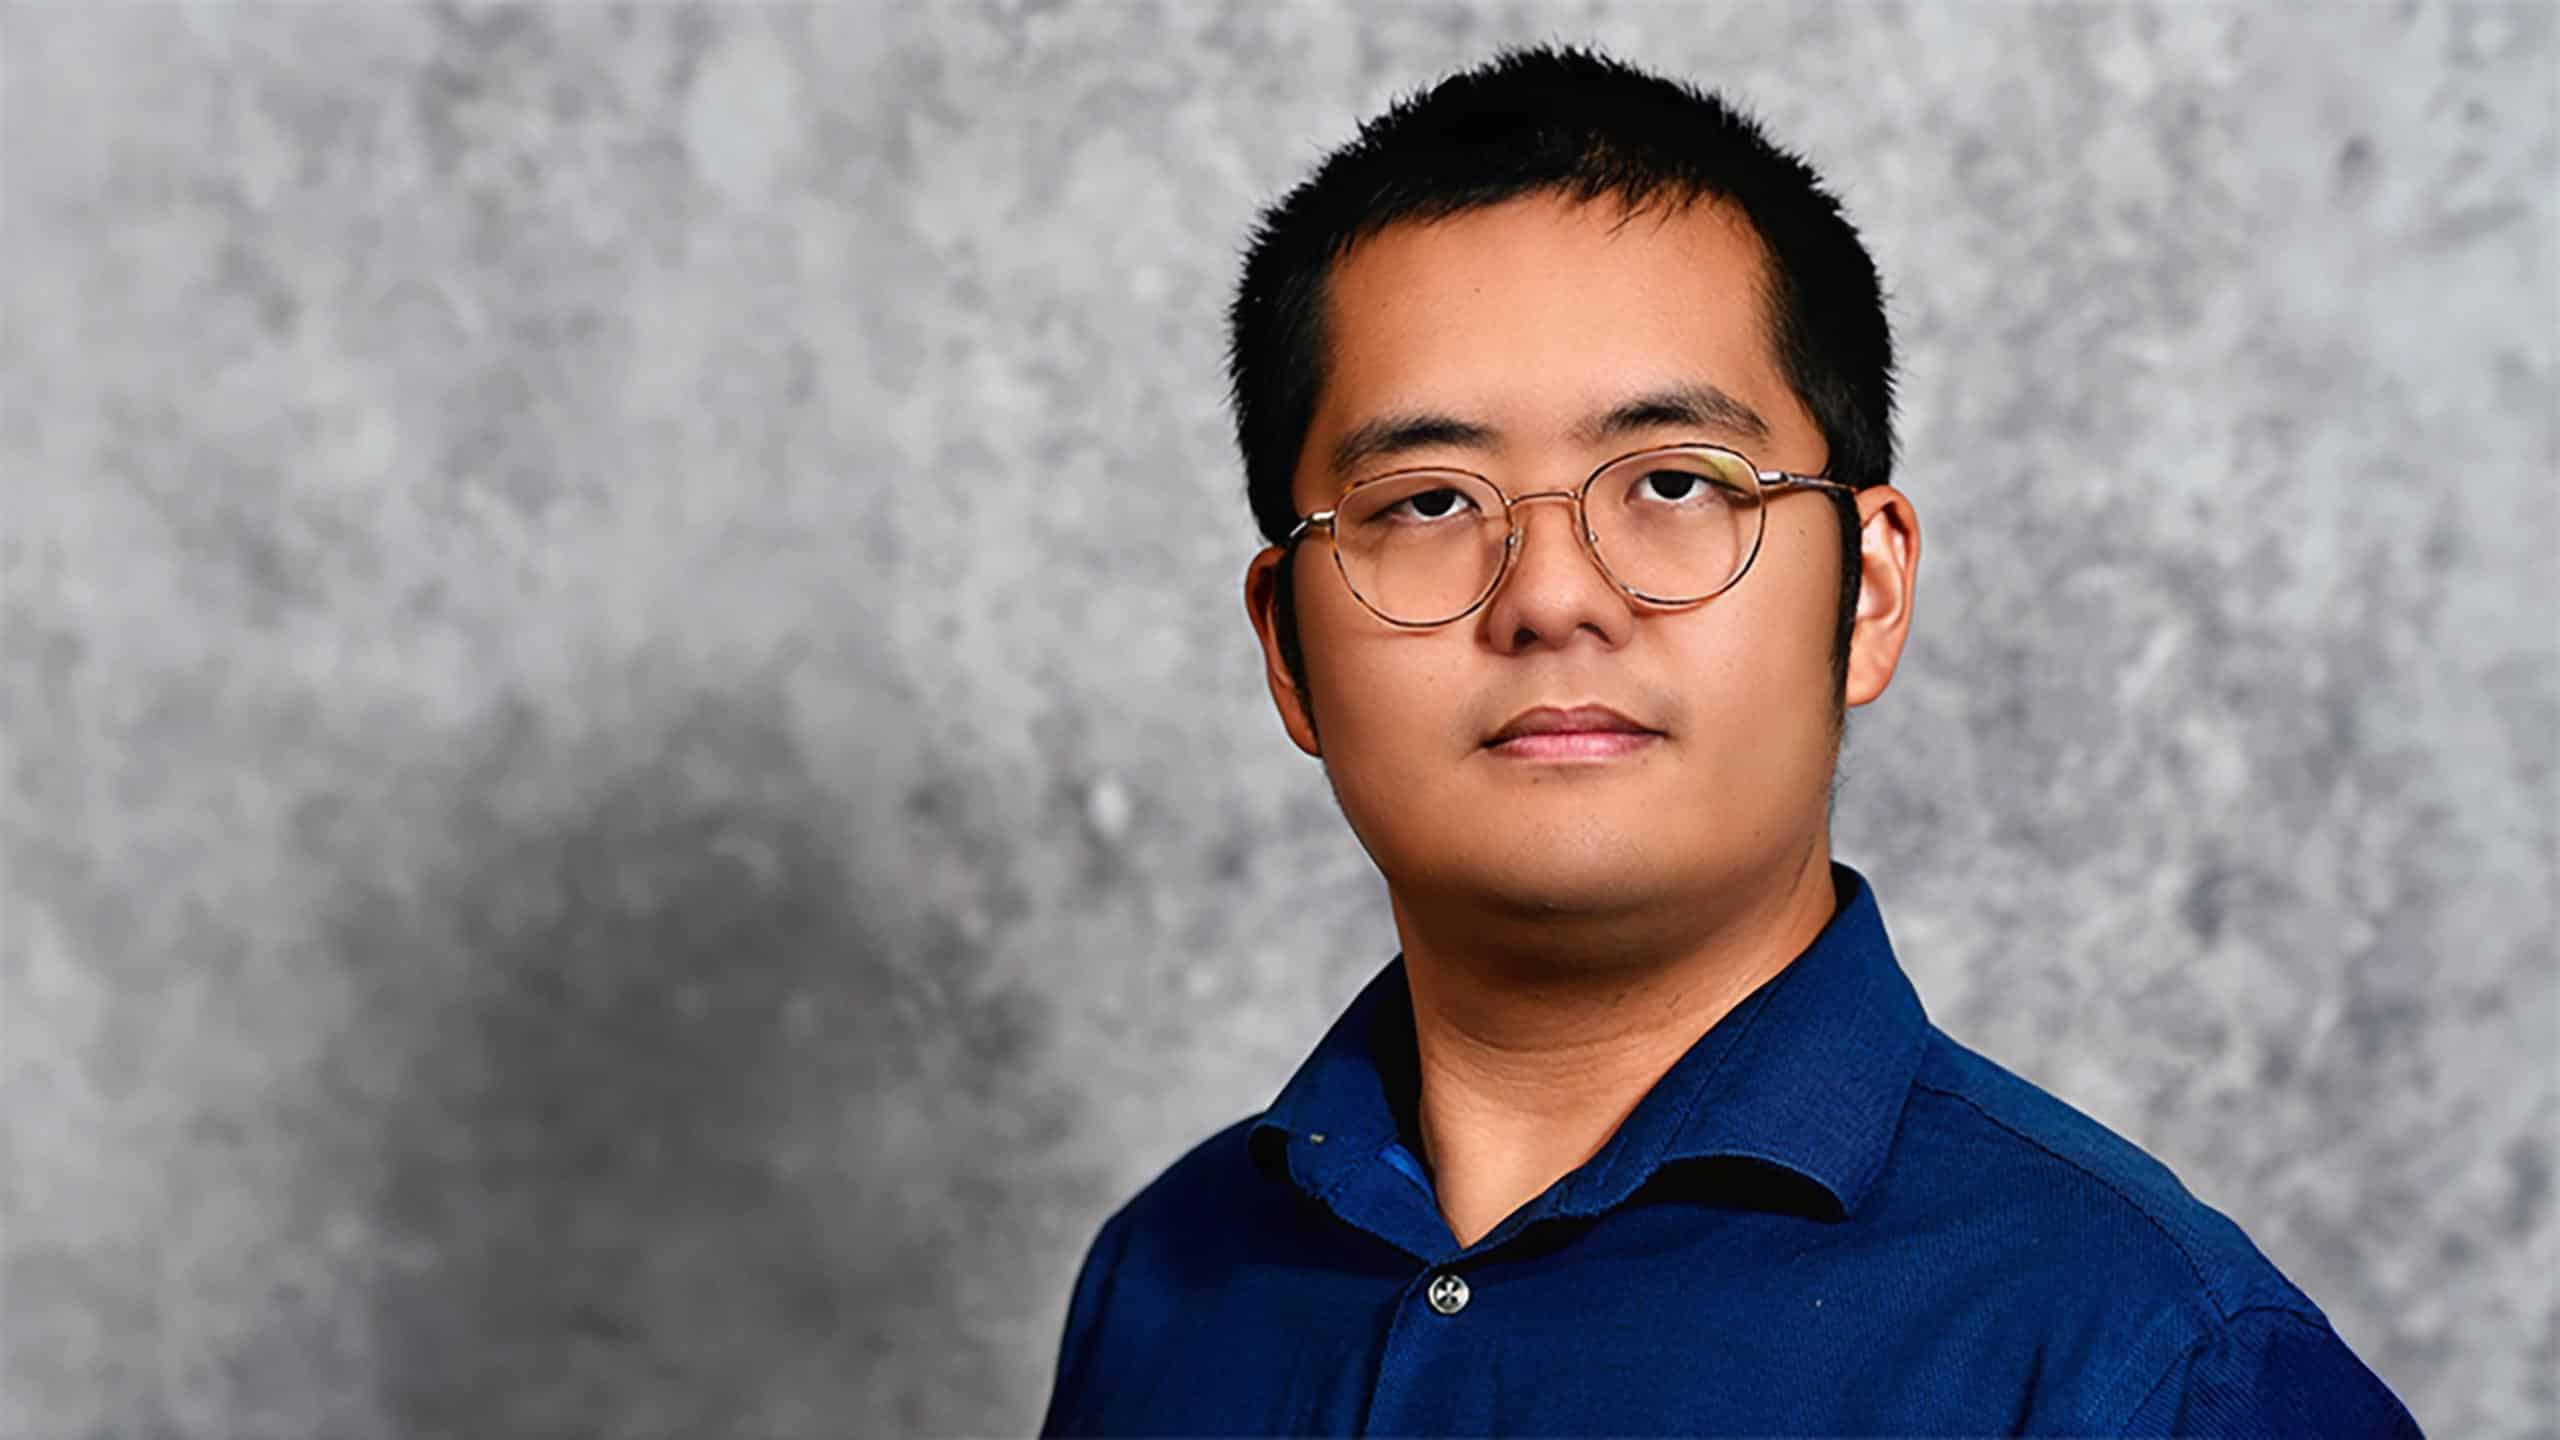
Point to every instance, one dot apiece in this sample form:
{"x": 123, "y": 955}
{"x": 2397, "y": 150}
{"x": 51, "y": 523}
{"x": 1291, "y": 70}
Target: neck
{"x": 1537, "y": 1037}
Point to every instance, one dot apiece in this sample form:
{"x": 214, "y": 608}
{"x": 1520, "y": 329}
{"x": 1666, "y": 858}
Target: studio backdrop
{"x": 637, "y": 788}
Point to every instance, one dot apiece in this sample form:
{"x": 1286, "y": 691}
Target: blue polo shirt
{"x": 1827, "y": 1218}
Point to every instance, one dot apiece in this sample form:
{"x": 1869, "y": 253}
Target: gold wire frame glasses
{"x": 1673, "y": 525}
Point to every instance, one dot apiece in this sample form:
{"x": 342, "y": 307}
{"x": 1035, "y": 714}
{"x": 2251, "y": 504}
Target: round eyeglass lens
{"x": 1420, "y": 548}
{"x": 1678, "y": 525}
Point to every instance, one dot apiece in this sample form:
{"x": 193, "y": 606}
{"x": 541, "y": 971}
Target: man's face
{"x": 1531, "y": 321}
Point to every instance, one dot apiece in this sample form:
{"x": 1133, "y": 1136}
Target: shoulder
{"x": 1217, "y": 1171}
{"x": 1989, "y": 1137}
{"x": 2277, "y": 1370}
{"x": 1128, "y": 1289}
{"x": 2111, "y": 1246}
{"x": 1193, "y": 1208}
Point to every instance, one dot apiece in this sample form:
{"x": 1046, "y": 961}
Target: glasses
{"x": 1671, "y": 526}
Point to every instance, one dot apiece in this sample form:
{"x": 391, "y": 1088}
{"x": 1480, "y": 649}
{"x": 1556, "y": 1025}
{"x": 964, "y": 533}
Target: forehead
{"x": 1539, "y": 308}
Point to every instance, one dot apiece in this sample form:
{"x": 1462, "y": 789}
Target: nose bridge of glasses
{"x": 1520, "y": 521}
{"x": 1578, "y": 540}
{"x": 1545, "y": 495}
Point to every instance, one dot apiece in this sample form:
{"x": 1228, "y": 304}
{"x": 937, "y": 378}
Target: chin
{"x": 1552, "y": 883}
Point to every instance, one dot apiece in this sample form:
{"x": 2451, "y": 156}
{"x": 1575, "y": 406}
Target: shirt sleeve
{"x": 1084, "y": 1311}
{"x": 2273, "y": 1372}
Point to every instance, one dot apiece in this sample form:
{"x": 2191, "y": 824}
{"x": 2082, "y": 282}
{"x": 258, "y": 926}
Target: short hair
{"x": 1547, "y": 120}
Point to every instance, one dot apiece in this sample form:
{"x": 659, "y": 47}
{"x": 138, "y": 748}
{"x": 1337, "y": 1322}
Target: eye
{"x": 1436, "y": 504}
{"x": 1685, "y": 488}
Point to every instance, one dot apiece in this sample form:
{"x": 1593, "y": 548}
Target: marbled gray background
{"x": 637, "y": 787}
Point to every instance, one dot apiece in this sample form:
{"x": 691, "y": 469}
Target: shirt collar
{"x": 1807, "y": 1075}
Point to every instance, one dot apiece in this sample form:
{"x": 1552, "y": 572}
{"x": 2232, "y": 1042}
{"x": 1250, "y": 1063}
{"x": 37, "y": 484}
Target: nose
{"x": 1554, "y": 589}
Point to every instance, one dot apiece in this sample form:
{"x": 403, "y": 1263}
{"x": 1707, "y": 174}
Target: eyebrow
{"x": 1695, "y": 406}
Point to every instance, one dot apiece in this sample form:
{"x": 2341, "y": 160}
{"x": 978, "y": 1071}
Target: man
{"x": 1565, "y": 398}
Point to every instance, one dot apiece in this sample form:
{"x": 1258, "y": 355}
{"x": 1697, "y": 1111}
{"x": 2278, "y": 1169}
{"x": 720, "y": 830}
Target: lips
{"x": 1581, "y": 719}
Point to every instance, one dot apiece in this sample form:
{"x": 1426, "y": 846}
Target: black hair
{"x": 1577, "y": 123}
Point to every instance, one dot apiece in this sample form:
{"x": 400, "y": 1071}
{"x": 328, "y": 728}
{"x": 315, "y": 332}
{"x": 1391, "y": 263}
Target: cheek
{"x": 1396, "y": 693}
{"x": 1390, "y": 705}
{"x": 1793, "y": 588}
{"x": 1754, "y": 664}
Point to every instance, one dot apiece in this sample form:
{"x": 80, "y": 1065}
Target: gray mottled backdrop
{"x": 637, "y": 788}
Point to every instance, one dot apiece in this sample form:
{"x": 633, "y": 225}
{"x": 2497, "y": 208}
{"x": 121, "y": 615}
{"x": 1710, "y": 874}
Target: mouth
{"x": 1584, "y": 732}
{"x": 1576, "y": 745}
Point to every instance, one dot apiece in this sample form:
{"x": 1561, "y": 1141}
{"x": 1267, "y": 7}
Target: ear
{"x": 1888, "y": 569}
{"x": 1261, "y": 601}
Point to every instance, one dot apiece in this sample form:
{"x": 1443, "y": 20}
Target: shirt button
{"x": 1448, "y": 1294}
